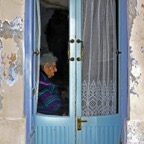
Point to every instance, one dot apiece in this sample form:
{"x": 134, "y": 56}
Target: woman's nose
{"x": 55, "y": 69}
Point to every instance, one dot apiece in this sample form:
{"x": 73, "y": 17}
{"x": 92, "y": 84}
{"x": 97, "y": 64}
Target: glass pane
{"x": 99, "y": 77}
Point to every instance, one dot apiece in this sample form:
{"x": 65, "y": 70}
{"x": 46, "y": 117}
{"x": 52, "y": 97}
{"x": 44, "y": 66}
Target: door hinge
{"x": 37, "y": 52}
{"x": 33, "y": 91}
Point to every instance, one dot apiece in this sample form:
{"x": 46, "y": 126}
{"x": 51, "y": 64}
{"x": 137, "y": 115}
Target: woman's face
{"x": 50, "y": 70}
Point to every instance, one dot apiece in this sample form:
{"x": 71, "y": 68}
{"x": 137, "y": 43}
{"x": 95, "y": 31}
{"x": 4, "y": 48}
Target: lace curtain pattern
{"x": 99, "y": 78}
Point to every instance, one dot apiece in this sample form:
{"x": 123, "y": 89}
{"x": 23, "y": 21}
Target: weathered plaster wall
{"x": 12, "y": 121}
{"x": 135, "y": 124}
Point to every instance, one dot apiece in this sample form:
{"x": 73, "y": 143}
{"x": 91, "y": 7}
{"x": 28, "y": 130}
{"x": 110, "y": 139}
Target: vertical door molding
{"x": 123, "y": 74}
{"x": 28, "y": 44}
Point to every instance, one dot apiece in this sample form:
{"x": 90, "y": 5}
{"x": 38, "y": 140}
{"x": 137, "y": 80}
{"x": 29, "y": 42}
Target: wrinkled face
{"x": 50, "y": 70}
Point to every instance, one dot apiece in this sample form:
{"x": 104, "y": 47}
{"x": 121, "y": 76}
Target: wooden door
{"x": 77, "y": 128}
{"x": 52, "y": 129}
{"x": 92, "y": 128}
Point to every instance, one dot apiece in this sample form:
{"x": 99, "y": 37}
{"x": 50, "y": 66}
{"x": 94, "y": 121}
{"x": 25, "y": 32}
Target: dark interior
{"x": 56, "y": 35}
{"x": 54, "y": 38}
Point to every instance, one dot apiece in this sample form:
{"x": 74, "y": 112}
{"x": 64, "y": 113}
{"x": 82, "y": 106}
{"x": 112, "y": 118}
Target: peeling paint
{"x": 135, "y": 132}
{"x": 136, "y": 46}
{"x": 134, "y": 75}
{"x": 136, "y": 71}
{"x": 7, "y": 72}
{"x": 12, "y": 29}
{"x": 11, "y": 70}
{"x": 11, "y": 62}
{"x": 12, "y": 119}
{"x": 131, "y": 12}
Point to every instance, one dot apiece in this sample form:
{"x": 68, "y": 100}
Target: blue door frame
{"x": 28, "y": 46}
{"x": 123, "y": 75}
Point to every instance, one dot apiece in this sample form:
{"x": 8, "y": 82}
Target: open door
{"x": 54, "y": 129}
{"x": 94, "y": 113}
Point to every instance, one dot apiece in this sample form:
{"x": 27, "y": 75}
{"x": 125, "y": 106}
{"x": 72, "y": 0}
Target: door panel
{"x": 52, "y": 129}
{"x": 96, "y": 101}
{"x": 98, "y": 128}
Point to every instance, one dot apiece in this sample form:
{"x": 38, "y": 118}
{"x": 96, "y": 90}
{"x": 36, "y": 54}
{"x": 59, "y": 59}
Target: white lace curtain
{"x": 99, "y": 91}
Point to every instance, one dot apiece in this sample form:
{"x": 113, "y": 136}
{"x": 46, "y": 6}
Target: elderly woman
{"x": 49, "y": 98}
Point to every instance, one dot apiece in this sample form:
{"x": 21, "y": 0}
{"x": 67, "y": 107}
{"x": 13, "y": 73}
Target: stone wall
{"x": 135, "y": 123}
{"x": 12, "y": 121}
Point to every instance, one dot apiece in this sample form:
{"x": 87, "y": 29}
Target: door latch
{"x": 82, "y": 50}
{"x": 79, "y": 121}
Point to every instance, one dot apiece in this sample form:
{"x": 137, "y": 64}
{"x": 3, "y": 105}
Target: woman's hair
{"x": 47, "y": 59}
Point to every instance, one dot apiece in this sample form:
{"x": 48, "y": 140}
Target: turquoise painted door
{"x": 78, "y": 127}
{"x": 97, "y": 103}
{"x": 61, "y": 129}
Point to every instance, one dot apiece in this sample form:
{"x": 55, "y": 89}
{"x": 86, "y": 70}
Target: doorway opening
{"x": 54, "y": 39}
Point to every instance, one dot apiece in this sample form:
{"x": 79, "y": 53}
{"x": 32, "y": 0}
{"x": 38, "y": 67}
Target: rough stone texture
{"x": 135, "y": 132}
{"x": 135, "y": 124}
{"x": 11, "y": 67}
{"x": 136, "y": 43}
{"x": 12, "y": 131}
{"x": 11, "y": 48}
{"x": 12, "y": 121}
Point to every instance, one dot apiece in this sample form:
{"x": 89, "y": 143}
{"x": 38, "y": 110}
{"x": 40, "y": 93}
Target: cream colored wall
{"x": 135, "y": 124}
{"x": 12, "y": 121}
